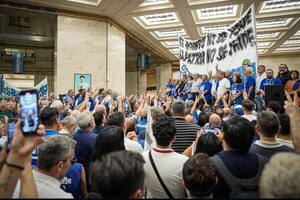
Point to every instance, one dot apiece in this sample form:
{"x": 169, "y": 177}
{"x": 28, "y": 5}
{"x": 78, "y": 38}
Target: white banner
{"x": 10, "y": 90}
{"x": 227, "y": 48}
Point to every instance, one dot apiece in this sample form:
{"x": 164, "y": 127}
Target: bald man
{"x": 215, "y": 121}
{"x": 214, "y": 124}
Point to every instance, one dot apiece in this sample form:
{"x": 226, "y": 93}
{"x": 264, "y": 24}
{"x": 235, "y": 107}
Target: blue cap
{"x": 238, "y": 110}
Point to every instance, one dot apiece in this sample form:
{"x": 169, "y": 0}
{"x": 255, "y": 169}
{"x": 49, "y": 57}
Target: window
{"x": 170, "y": 43}
{"x": 264, "y": 44}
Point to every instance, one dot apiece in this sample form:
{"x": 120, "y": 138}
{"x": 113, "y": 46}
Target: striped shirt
{"x": 268, "y": 149}
{"x": 185, "y": 136}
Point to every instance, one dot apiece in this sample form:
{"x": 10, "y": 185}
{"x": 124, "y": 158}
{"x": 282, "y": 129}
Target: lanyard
{"x": 270, "y": 82}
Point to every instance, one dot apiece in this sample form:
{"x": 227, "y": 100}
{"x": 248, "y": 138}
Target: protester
{"x": 100, "y": 121}
{"x": 69, "y": 99}
{"x": 269, "y": 80}
{"x": 261, "y": 75}
{"x": 110, "y": 140}
{"x": 275, "y": 107}
{"x": 223, "y": 87}
{"x": 49, "y": 117}
{"x": 280, "y": 177}
{"x": 289, "y": 86}
{"x": 199, "y": 177}
{"x": 283, "y": 74}
{"x": 248, "y": 107}
{"x": 236, "y": 167}
{"x": 268, "y": 125}
{"x": 69, "y": 125}
{"x": 205, "y": 89}
{"x": 284, "y": 135}
{"x": 118, "y": 175}
{"x": 250, "y": 85}
{"x": 85, "y": 138}
{"x": 118, "y": 119}
{"x": 54, "y": 160}
{"x": 163, "y": 165}
{"x": 237, "y": 88}
{"x": 186, "y": 132}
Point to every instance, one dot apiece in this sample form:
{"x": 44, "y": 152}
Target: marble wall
{"x": 89, "y": 47}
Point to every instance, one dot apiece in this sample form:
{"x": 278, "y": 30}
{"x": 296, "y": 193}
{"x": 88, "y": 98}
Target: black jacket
{"x": 284, "y": 77}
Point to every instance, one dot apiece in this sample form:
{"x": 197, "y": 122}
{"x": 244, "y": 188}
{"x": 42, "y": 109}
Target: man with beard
{"x": 270, "y": 80}
{"x": 54, "y": 161}
{"x": 283, "y": 74}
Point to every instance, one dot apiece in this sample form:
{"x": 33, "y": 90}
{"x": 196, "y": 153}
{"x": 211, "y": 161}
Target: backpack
{"x": 241, "y": 188}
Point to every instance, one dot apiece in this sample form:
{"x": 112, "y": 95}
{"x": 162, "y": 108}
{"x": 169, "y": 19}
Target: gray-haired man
{"x": 54, "y": 161}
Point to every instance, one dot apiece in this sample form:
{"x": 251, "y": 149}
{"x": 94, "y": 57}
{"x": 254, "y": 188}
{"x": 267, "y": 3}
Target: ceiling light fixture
{"x": 267, "y": 35}
{"x": 217, "y": 12}
{"x": 273, "y": 23}
{"x": 288, "y": 49}
{"x": 208, "y": 29}
{"x": 160, "y": 18}
{"x": 170, "y": 32}
{"x": 279, "y": 5}
{"x": 154, "y": 2}
{"x": 291, "y": 42}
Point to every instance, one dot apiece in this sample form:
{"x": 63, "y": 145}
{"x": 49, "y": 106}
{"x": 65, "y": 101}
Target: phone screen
{"x": 29, "y": 112}
{"x": 10, "y": 131}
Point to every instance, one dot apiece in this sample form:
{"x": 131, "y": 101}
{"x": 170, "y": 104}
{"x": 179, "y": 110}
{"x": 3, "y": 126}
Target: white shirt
{"x": 259, "y": 78}
{"x": 131, "y": 145}
{"x": 64, "y": 131}
{"x": 250, "y": 117}
{"x": 47, "y": 187}
{"x": 224, "y": 84}
{"x": 169, "y": 164}
{"x": 213, "y": 87}
{"x": 196, "y": 85}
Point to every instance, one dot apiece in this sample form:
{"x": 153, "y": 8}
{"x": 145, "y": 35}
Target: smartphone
{"x": 29, "y": 111}
{"x": 10, "y": 131}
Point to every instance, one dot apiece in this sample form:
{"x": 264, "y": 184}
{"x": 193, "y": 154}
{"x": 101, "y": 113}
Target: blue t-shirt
{"x": 84, "y": 147}
{"x": 231, "y": 81}
{"x": 250, "y": 82}
{"x": 71, "y": 183}
{"x": 196, "y": 116}
{"x": 206, "y": 86}
{"x": 273, "y": 81}
{"x": 140, "y": 128}
{"x": 235, "y": 89}
{"x": 170, "y": 86}
{"x": 296, "y": 85}
{"x": 79, "y": 100}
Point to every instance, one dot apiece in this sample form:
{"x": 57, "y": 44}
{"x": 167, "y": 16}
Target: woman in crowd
{"x": 289, "y": 87}
{"x": 237, "y": 88}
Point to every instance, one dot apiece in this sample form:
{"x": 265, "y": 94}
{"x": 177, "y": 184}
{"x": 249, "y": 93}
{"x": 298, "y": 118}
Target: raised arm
{"x": 15, "y": 162}
{"x": 293, "y": 110}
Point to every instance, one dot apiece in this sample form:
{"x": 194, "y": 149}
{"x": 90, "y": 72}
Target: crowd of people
{"x": 204, "y": 136}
